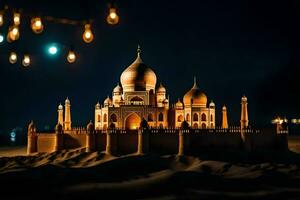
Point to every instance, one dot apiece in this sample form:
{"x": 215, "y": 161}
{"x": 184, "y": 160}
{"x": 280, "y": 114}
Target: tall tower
{"x": 67, "y": 124}
{"x": 224, "y": 117}
{"x": 244, "y": 113}
{"x": 60, "y": 119}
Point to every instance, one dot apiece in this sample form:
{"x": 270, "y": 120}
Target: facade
{"x": 138, "y": 97}
{"x": 139, "y": 118}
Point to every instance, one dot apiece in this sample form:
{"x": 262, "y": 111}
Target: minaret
{"x": 244, "y": 113}
{"x": 67, "y": 124}
{"x": 224, "y": 117}
{"x": 60, "y": 111}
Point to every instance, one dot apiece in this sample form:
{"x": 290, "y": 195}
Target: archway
{"x": 132, "y": 121}
{"x": 180, "y": 118}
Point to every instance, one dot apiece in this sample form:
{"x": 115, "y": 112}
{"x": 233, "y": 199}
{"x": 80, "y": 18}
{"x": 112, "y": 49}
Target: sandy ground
{"x": 75, "y": 174}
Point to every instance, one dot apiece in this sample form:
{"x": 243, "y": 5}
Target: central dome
{"x": 138, "y": 76}
{"x": 195, "y": 97}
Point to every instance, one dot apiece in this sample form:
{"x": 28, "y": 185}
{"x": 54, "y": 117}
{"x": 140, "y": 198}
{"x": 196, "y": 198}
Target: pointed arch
{"x": 211, "y": 117}
{"x": 105, "y": 117}
{"x": 98, "y": 118}
{"x": 188, "y": 117}
{"x": 203, "y": 117}
{"x": 195, "y": 126}
{"x": 203, "y": 126}
{"x": 150, "y": 117}
{"x": 180, "y": 118}
{"x": 113, "y": 117}
{"x": 132, "y": 121}
{"x": 160, "y": 117}
{"x": 195, "y": 117}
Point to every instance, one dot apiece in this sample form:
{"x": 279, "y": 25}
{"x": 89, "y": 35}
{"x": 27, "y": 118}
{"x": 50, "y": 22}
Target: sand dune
{"x": 75, "y": 174}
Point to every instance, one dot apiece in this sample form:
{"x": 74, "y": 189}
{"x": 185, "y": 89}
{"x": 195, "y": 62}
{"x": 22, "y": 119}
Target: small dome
{"x": 212, "y": 104}
{"x": 244, "y": 98}
{"x": 195, "y": 96}
{"x": 118, "y": 89}
{"x": 67, "y": 101}
{"x": 161, "y": 89}
{"x": 166, "y": 101}
{"x": 107, "y": 101}
{"x": 179, "y": 104}
{"x": 60, "y": 107}
{"x": 224, "y": 108}
{"x": 97, "y": 106}
{"x": 138, "y": 76}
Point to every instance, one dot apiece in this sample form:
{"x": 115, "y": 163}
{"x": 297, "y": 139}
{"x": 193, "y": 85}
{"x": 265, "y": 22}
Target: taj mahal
{"x": 138, "y": 117}
{"x": 139, "y": 97}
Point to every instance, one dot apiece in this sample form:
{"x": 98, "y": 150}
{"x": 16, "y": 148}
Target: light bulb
{"x": 13, "y": 58}
{"x": 1, "y": 38}
{"x": 112, "y": 17}
{"x": 17, "y": 18}
{"x": 71, "y": 57}
{"x": 26, "y": 61}
{"x": 87, "y": 35}
{"x": 37, "y": 25}
{"x": 1, "y": 18}
{"x": 13, "y": 33}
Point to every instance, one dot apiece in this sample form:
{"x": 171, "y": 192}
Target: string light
{"x": 112, "y": 17}
{"x": 1, "y": 18}
{"x": 71, "y": 56}
{"x": 13, "y": 33}
{"x": 13, "y": 58}
{"x": 26, "y": 60}
{"x": 17, "y": 18}
{"x": 37, "y": 25}
{"x": 87, "y": 34}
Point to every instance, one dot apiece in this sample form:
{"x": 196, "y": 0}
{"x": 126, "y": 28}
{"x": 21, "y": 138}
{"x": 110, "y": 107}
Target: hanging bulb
{"x": 26, "y": 60}
{"x": 13, "y": 58}
{"x": 1, "y": 18}
{"x": 13, "y": 33}
{"x": 112, "y": 18}
{"x": 37, "y": 25}
{"x": 17, "y": 18}
{"x": 71, "y": 56}
{"x": 87, "y": 35}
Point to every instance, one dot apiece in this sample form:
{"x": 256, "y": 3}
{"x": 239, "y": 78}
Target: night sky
{"x": 232, "y": 47}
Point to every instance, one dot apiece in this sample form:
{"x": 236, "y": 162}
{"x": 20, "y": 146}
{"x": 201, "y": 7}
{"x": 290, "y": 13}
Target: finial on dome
{"x": 195, "y": 81}
{"x": 139, "y": 50}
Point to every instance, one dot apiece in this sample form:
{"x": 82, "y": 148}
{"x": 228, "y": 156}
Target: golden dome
{"x": 179, "y": 104}
{"x": 60, "y": 107}
{"x": 118, "y": 89}
{"x": 138, "y": 76}
{"x": 195, "y": 96}
{"x": 107, "y": 101}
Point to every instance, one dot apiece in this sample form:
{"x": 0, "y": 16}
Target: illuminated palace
{"x": 138, "y": 97}
{"x": 139, "y": 118}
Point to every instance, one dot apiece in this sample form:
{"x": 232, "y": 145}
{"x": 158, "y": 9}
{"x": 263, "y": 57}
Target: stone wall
{"x": 164, "y": 141}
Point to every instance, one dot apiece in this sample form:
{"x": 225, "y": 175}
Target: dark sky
{"x": 233, "y": 47}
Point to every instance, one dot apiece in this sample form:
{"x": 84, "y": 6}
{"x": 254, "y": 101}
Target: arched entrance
{"x": 132, "y": 121}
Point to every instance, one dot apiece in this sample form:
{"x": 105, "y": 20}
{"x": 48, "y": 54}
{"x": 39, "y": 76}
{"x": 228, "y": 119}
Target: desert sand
{"x": 74, "y": 174}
